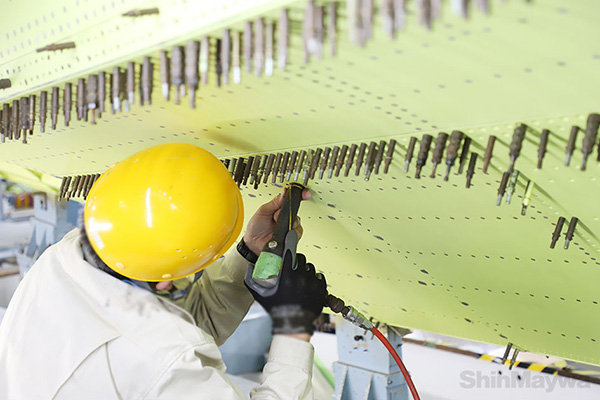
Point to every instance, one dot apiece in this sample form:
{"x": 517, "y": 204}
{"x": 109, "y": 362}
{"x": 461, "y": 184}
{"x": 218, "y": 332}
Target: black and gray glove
{"x": 299, "y": 298}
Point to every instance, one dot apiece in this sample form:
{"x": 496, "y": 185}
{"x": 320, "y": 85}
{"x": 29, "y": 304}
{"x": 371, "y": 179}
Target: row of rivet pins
{"x": 187, "y": 67}
{"x": 76, "y": 186}
{"x": 312, "y": 164}
{"x": 510, "y": 178}
{"x": 509, "y": 181}
{"x": 17, "y": 120}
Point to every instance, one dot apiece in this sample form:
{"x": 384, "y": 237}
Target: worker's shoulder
{"x": 160, "y": 335}
{"x": 153, "y": 344}
{"x": 137, "y": 314}
{"x": 154, "y": 321}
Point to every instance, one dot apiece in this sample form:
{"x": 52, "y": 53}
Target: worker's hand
{"x": 299, "y": 298}
{"x": 260, "y": 227}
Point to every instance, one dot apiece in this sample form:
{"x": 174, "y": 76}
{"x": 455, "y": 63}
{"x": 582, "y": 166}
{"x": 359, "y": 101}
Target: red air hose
{"x": 355, "y": 317}
{"x": 388, "y": 345}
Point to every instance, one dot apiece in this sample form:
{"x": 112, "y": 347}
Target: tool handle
{"x": 81, "y": 98}
{"x": 411, "y": 148}
{"x": 527, "y": 197}
{"x": 571, "y": 144}
{"x": 571, "y": 229}
{"x": 440, "y": 144}
{"x": 341, "y": 159}
{"x": 287, "y": 216}
{"x": 517, "y": 141}
{"x": 543, "y": 143}
{"x": 314, "y": 165}
{"x": 370, "y": 159}
{"x": 361, "y": 155}
{"x": 557, "y": 230}
{"x": 332, "y": 164}
{"x": 389, "y": 156}
{"x": 67, "y": 101}
{"x": 130, "y": 77}
{"x": 256, "y": 166}
{"x": 379, "y": 155}
{"x": 276, "y": 166}
{"x": 247, "y": 170}
{"x": 350, "y": 161}
{"x": 146, "y": 81}
{"x": 324, "y": 161}
{"x": 43, "y": 110}
{"x": 591, "y": 132}
{"x": 464, "y": 153}
{"x": 116, "y": 84}
{"x": 91, "y": 93}
{"x": 452, "y": 152}
{"x": 424, "y": 149}
{"x": 284, "y": 165}
{"x": 23, "y": 112}
{"x": 572, "y": 139}
{"x": 53, "y": 107}
{"x": 239, "y": 171}
{"x": 472, "y": 164}
{"x": 101, "y": 90}
{"x": 268, "y": 167}
{"x": 192, "y": 56}
{"x": 301, "y": 161}
{"x": 164, "y": 68}
{"x": 471, "y": 169}
{"x": 489, "y": 149}
{"x": 177, "y": 66}
{"x": 504, "y": 183}
{"x": 334, "y": 156}
{"x": 265, "y": 272}
{"x": 293, "y": 161}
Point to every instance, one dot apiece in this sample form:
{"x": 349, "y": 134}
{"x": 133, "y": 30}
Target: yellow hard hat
{"x": 164, "y": 213}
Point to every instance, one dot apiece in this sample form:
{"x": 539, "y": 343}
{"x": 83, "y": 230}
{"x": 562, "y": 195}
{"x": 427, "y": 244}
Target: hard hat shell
{"x": 163, "y": 213}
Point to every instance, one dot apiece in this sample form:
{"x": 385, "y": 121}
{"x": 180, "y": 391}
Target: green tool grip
{"x": 267, "y": 266}
{"x": 269, "y": 262}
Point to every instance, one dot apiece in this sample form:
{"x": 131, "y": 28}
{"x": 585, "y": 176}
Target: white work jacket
{"x": 72, "y": 331}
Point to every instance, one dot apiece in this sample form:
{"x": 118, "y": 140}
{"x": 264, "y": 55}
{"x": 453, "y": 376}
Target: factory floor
{"x": 443, "y": 375}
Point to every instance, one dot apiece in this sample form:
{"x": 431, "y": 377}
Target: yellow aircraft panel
{"x": 420, "y": 253}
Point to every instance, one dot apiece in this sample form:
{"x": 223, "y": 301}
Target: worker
{"x": 124, "y": 307}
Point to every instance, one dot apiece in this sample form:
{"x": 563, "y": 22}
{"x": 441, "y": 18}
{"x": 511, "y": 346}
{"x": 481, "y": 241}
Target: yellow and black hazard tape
{"x": 568, "y": 371}
{"x": 546, "y": 369}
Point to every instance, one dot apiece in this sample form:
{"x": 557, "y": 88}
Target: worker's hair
{"x": 92, "y": 257}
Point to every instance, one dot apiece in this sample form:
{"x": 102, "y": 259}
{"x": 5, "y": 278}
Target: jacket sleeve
{"x": 196, "y": 374}
{"x": 219, "y": 300}
{"x": 288, "y": 372}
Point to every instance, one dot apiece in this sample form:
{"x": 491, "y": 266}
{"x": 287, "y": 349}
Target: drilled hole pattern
{"x": 420, "y": 253}
{"x": 398, "y": 193}
{"x": 441, "y": 253}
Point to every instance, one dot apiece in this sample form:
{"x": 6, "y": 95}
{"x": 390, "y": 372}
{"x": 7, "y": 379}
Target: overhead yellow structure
{"x": 419, "y": 253}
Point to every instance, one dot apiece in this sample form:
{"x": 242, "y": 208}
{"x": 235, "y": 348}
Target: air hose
{"x": 349, "y": 313}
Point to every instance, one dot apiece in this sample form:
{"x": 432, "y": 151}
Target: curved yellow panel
{"x": 421, "y": 253}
